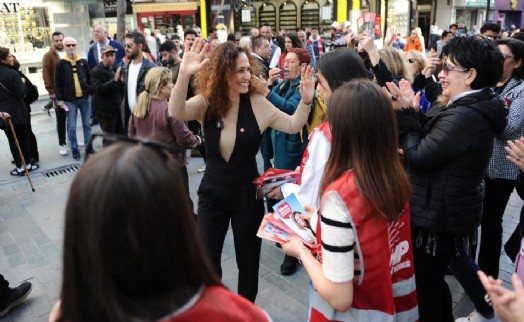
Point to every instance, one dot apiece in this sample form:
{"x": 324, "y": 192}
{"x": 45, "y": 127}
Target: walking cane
{"x": 20, "y": 152}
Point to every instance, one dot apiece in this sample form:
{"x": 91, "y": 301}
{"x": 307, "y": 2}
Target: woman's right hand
{"x": 307, "y": 84}
{"x": 193, "y": 60}
{"x": 516, "y": 152}
{"x": 431, "y": 65}
{"x": 366, "y": 41}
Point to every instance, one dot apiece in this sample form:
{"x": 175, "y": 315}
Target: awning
{"x": 158, "y": 7}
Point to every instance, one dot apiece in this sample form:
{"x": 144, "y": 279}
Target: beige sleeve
{"x": 268, "y": 115}
{"x": 193, "y": 109}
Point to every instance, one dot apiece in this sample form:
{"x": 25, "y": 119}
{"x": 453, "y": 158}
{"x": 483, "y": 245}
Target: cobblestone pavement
{"x": 31, "y": 229}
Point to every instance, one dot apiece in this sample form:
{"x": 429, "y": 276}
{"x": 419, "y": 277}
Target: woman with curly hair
{"x": 234, "y": 114}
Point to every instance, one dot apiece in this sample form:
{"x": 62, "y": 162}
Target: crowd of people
{"x": 417, "y": 151}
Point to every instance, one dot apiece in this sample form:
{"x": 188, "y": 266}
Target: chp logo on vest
{"x": 398, "y": 248}
{"x": 284, "y": 210}
{"x": 9, "y": 7}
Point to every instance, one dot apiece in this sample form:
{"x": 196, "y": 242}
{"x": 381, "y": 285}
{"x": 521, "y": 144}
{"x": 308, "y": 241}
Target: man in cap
{"x": 107, "y": 96}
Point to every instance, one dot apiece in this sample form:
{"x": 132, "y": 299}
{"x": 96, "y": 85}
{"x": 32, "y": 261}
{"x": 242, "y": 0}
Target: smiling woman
{"x": 234, "y": 114}
{"x": 447, "y": 158}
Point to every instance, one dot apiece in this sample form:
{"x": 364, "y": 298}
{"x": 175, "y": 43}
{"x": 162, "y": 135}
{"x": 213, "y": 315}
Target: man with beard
{"x": 106, "y": 92}
{"x": 49, "y": 62}
{"x": 134, "y": 73}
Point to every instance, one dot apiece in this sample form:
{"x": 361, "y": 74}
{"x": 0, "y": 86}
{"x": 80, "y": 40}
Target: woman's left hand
{"x": 4, "y": 115}
{"x": 293, "y": 246}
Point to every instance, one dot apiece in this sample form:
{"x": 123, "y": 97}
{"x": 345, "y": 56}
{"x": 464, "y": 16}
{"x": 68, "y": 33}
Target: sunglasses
{"x": 102, "y": 141}
{"x": 412, "y": 60}
{"x": 446, "y": 68}
{"x": 129, "y": 45}
{"x": 70, "y": 45}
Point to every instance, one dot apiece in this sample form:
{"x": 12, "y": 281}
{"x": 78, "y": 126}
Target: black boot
{"x": 289, "y": 266}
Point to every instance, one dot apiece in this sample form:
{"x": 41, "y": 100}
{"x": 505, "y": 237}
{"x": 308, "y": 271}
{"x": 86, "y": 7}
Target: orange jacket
{"x": 413, "y": 44}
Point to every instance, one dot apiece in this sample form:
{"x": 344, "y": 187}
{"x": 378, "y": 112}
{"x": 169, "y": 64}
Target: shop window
{"x": 288, "y": 16}
{"x": 267, "y": 15}
{"x": 248, "y": 18}
{"x": 310, "y": 14}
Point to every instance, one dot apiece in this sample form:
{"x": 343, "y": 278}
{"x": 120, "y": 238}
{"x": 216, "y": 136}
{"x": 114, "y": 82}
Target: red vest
{"x": 218, "y": 304}
{"x": 385, "y": 288}
{"x": 326, "y": 131}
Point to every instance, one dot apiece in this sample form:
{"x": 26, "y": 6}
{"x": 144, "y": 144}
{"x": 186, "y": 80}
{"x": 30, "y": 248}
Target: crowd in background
{"x": 418, "y": 150}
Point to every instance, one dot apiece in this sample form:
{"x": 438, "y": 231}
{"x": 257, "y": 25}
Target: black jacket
{"x": 64, "y": 80}
{"x": 106, "y": 91}
{"x": 447, "y": 160}
{"x": 12, "y": 93}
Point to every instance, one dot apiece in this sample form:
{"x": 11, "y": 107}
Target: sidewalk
{"x": 31, "y": 230}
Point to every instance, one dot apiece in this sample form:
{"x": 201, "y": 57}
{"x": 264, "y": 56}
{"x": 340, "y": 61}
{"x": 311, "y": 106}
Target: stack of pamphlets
{"x": 274, "y": 178}
{"x": 287, "y": 221}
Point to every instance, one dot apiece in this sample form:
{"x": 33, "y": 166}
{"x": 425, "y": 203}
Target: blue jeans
{"x": 84, "y": 105}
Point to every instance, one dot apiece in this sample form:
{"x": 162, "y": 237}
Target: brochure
{"x": 274, "y": 178}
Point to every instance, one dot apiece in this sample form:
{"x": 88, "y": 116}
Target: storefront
{"x": 472, "y": 12}
{"x": 398, "y": 16}
{"x": 508, "y": 12}
{"x": 166, "y": 16}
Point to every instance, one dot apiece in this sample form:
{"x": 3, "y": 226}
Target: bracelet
{"x": 303, "y": 248}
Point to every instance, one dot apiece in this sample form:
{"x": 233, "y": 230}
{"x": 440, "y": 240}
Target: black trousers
{"x": 61, "y": 125}
{"x": 217, "y": 206}
{"x": 22, "y": 134}
{"x": 111, "y": 124}
{"x": 512, "y": 246}
{"x": 4, "y": 287}
{"x": 35, "y": 156}
{"x": 497, "y": 195}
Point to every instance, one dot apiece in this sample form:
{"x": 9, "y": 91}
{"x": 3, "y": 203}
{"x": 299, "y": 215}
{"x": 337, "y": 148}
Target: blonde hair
{"x": 245, "y": 42}
{"x": 395, "y": 62}
{"x": 156, "y": 77}
{"x": 418, "y": 56}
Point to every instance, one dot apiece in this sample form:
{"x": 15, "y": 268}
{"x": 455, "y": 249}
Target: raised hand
{"x": 403, "y": 96}
{"x": 193, "y": 60}
{"x": 366, "y": 41}
{"x": 307, "y": 84}
{"x": 431, "y": 65}
{"x": 516, "y": 152}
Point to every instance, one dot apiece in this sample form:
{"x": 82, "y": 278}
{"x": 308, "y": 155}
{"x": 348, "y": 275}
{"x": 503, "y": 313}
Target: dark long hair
{"x": 131, "y": 251}
{"x": 212, "y": 82}
{"x": 364, "y": 138}
{"x": 341, "y": 65}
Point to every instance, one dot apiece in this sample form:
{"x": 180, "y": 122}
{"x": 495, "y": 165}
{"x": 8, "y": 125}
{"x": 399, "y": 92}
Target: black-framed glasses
{"x": 507, "y": 56}
{"x": 101, "y": 141}
{"x": 446, "y": 68}
{"x": 129, "y": 46}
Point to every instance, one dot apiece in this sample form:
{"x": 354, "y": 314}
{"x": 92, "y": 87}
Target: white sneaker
{"x": 63, "y": 150}
{"x": 477, "y": 317}
{"x": 202, "y": 168}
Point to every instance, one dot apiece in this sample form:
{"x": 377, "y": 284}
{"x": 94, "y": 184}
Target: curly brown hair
{"x": 212, "y": 82}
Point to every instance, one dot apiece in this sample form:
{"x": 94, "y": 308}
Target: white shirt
{"x": 61, "y": 54}
{"x": 132, "y": 81}
{"x": 98, "y": 50}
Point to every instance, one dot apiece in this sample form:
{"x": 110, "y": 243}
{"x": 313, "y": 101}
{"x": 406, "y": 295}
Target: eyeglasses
{"x": 412, "y": 60}
{"x": 129, "y": 45}
{"x": 102, "y": 141}
{"x": 289, "y": 61}
{"x": 507, "y": 56}
{"x": 446, "y": 68}
{"x": 70, "y": 45}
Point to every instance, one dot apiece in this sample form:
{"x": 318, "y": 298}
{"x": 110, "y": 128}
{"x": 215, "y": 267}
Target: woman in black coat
{"x": 12, "y": 93}
{"x": 447, "y": 157}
